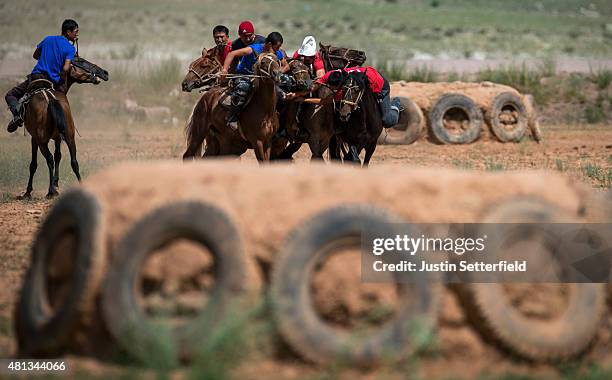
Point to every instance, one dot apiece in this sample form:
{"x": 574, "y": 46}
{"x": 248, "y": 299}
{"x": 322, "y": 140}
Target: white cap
{"x": 309, "y": 47}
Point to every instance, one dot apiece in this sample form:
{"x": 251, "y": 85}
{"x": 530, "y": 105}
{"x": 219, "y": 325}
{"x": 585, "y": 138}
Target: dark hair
{"x": 68, "y": 26}
{"x": 336, "y": 78}
{"x": 221, "y": 28}
{"x": 274, "y": 38}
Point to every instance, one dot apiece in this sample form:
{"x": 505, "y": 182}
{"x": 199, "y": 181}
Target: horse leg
{"x": 57, "y": 157}
{"x": 334, "y": 154}
{"x": 33, "y": 166}
{"x": 44, "y": 149}
{"x": 195, "y": 146}
{"x": 316, "y": 149}
{"x": 369, "y": 151}
{"x": 73, "y": 159}
{"x": 260, "y": 151}
{"x": 289, "y": 151}
{"x": 352, "y": 155}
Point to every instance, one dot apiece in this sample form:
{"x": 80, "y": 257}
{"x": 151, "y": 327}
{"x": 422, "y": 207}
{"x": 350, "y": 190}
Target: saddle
{"x": 37, "y": 85}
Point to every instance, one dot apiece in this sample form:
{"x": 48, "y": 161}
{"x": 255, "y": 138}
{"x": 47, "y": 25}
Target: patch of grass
{"x": 603, "y": 176}
{"x": 523, "y": 78}
{"x": 573, "y": 88}
{"x": 393, "y": 71}
{"x": 130, "y": 52}
{"x": 463, "y": 164}
{"x": 560, "y": 165}
{"x": 493, "y": 166}
{"x": 601, "y": 77}
{"x": 594, "y": 113}
{"x": 422, "y": 73}
{"x": 166, "y": 73}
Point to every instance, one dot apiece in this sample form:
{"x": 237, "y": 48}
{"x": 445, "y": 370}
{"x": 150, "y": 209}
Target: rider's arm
{"x": 36, "y": 54}
{"x": 233, "y": 54}
{"x": 66, "y": 67}
{"x": 284, "y": 66}
{"x": 298, "y": 94}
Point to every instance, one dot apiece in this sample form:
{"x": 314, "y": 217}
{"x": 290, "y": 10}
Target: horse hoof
{"x": 24, "y": 196}
{"x": 52, "y": 195}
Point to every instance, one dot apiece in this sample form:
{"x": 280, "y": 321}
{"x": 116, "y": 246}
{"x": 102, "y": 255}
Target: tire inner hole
{"x": 343, "y": 301}
{"x": 175, "y": 281}
{"x": 508, "y": 116}
{"x": 456, "y": 120}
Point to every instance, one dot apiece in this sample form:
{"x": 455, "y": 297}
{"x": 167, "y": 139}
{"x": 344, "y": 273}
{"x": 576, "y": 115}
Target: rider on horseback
{"x": 243, "y": 85}
{"x": 308, "y": 54}
{"x": 54, "y": 55}
{"x": 223, "y": 45}
{"x": 389, "y": 108}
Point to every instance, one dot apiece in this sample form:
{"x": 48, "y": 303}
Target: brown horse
{"x": 316, "y": 119}
{"x": 258, "y": 120}
{"x": 358, "y": 119}
{"x": 48, "y": 112}
{"x": 202, "y": 72}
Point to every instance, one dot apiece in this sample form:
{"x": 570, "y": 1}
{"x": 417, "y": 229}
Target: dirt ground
{"x": 566, "y": 150}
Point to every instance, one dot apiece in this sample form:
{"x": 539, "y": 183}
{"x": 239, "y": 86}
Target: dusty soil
{"x": 460, "y": 350}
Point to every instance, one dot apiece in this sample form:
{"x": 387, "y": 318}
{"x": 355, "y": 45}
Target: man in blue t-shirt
{"x": 54, "y": 55}
{"x": 243, "y": 86}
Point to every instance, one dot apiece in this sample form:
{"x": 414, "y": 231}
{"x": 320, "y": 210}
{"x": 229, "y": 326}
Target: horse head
{"x": 201, "y": 71}
{"x": 83, "y": 71}
{"x": 301, "y": 74}
{"x": 267, "y": 66}
{"x": 353, "y": 89}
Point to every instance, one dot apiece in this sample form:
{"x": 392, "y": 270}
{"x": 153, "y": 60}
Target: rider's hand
{"x": 290, "y": 96}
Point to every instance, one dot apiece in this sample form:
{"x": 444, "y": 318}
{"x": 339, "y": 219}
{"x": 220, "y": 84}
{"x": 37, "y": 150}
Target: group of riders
{"x": 54, "y": 55}
{"x": 240, "y": 55}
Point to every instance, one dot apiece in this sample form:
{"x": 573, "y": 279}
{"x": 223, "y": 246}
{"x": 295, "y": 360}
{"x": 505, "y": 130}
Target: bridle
{"x": 346, "y": 92}
{"x": 271, "y": 59}
{"x": 203, "y": 78}
{"x": 298, "y": 71}
{"x": 92, "y": 74}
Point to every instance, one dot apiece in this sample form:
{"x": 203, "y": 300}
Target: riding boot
{"x": 232, "y": 117}
{"x": 16, "y": 122}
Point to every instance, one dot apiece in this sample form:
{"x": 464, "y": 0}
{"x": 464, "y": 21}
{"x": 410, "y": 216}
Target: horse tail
{"x": 195, "y": 131}
{"x": 56, "y": 112}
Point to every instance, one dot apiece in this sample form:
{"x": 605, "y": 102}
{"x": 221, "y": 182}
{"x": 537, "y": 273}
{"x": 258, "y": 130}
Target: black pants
{"x": 12, "y": 97}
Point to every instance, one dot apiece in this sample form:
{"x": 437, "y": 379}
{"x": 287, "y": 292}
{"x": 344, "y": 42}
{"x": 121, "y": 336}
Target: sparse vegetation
{"x": 601, "y": 77}
{"x": 602, "y": 176}
{"x": 493, "y": 166}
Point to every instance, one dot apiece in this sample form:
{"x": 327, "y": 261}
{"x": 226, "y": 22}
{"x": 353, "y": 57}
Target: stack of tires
{"x": 458, "y": 113}
{"x": 268, "y": 236}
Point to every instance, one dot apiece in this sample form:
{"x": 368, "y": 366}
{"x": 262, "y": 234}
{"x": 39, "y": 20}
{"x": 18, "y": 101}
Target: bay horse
{"x": 48, "y": 112}
{"x": 258, "y": 121}
{"x": 316, "y": 119}
{"x": 202, "y": 72}
{"x": 358, "y": 120}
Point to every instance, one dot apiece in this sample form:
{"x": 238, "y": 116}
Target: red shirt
{"x": 318, "y": 62}
{"x": 376, "y": 80}
{"x": 221, "y": 55}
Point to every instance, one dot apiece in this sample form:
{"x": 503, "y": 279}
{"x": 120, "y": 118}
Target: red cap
{"x": 246, "y": 27}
